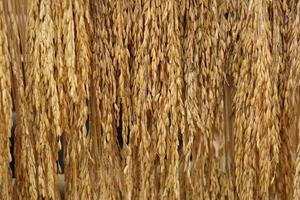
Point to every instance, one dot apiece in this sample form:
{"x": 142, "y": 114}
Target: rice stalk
{"x": 287, "y": 98}
{"x": 122, "y": 45}
{"x": 292, "y": 92}
{"x": 103, "y": 92}
{"x": 225, "y": 157}
{"x": 296, "y": 184}
{"x": 255, "y": 117}
{"x": 5, "y": 110}
{"x": 43, "y": 128}
{"x": 75, "y": 86}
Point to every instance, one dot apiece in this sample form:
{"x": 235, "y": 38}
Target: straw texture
{"x": 150, "y": 99}
{"x": 5, "y": 111}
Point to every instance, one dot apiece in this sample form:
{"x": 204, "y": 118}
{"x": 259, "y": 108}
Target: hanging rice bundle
{"x": 204, "y": 74}
{"x": 292, "y": 91}
{"x": 42, "y": 121}
{"x": 172, "y": 110}
{"x": 25, "y": 171}
{"x": 150, "y": 99}
{"x": 256, "y": 124}
{"x": 16, "y": 44}
{"x": 107, "y": 170}
{"x": 146, "y": 106}
{"x": 5, "y": 111}
{"x": 284, "y": 169}
{"x": 73, "y": 73}
{"x": 122, "y": 12}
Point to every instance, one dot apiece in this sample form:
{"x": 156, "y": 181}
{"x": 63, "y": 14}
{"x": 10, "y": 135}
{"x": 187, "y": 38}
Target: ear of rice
{"x": 5, "y": 111}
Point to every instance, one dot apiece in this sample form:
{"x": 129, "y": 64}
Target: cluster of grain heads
{"x": 191, "y": 58}
{"x": 155, "y": 99}
{"x": 42, "y": 122}
{"x": 74, "y": 81}
{"x": 204, "y": 142}
{"x": 296, "y": 184}
{"x": 284, "y": 169}
{"x": 140, "y": 137}
{"x": 25, "y": 183}
{"x": 255, "y": 102}
{"x": 5, "y": 111}
{"x": 292, "y": 92}
{"x": 16, "y": 44}
{"x": 107, "y": 170}
{"x": 175, "y": 107}
{"x": 288, "y": 97}
{"x": 122, "y": 12}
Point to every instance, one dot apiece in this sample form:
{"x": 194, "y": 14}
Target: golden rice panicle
{"x": 289, "y": 79}
{"x": 275, "y": 38}
{"x": 68, "y": 95}
{"x": 121, "y": 31}
{"x": 201, "y": 97}
{"x": 26, "y": 171}
{"x": 103, "y": 101}
{"x": 277, "y": 62}
{"x": 191, "y": 59}
{"x": 257, "y": 93}
{"x": 50, "y": 103}
{"x": 77, "y": 44}
{"x": 146, "y": 101}
{"x": 225, "y": 157}
{"x": 215, "y": 97}
{"x": 235, "y": 64}
{"x": 268, "y": 138}
{"x": 296, "y": 184}
{"x": 283, "y": 175}
{"x": 16, "y": 48}
{"x": 5, "y": 111}
{"x": 83, "y": 49}
{"x": 148, "y": 130}
{"x": 292, "y": 96}
{"x": 210, "y": 94}
{"x": 160, "y": 89}
{"x": 25, "y": 159}
{"x": 42, "y": 99}
{"x": 244, "y": 136}
{"x": 174, "y": 106}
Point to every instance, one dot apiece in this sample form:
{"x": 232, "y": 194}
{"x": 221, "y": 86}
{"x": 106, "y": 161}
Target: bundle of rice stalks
{"x": 41, "y": 125}
{"x": 255, "y": 103}
{"x": 5, "y": 111}
{"x": 74, "y": 28}
{"x": 154, "y": 99}
{"x": 107, "y": 170}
